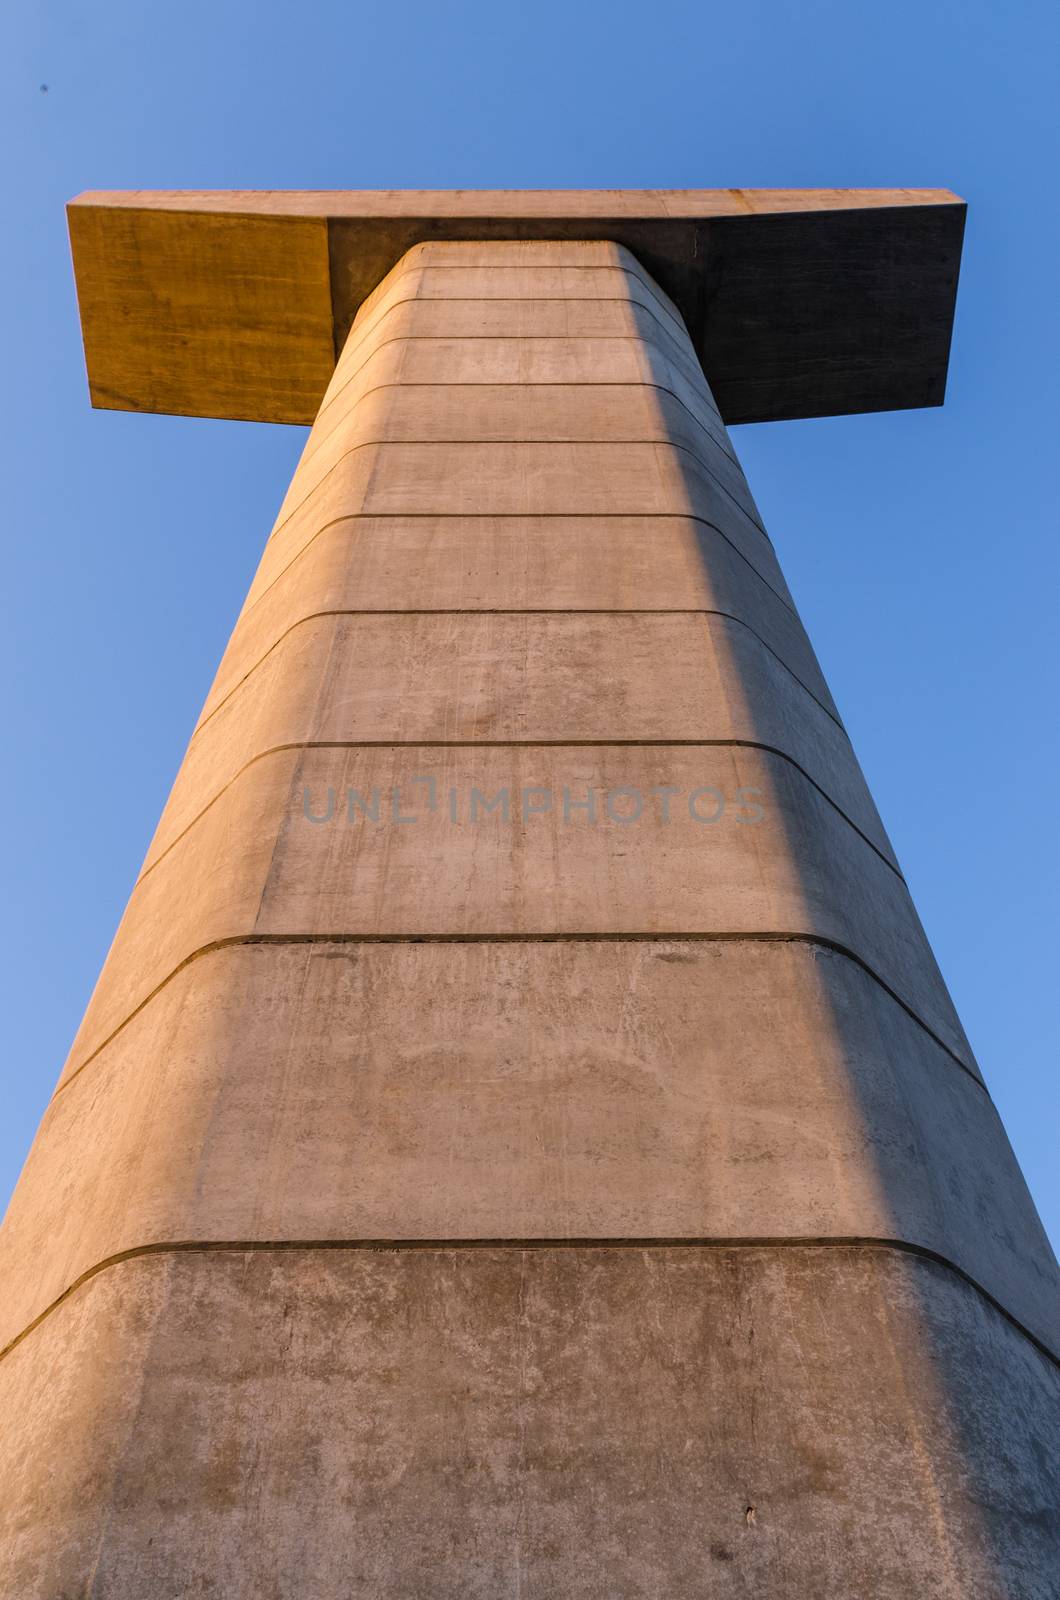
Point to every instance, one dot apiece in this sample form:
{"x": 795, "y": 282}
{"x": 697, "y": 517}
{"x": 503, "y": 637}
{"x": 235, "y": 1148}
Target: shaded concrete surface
{"x": 504, "y": 1422}
{"x": 623, "y": 565}
{"x": 615, "y": 567}
{"x": 517, "y": 679}
{"x": 567, "y": 1090}
{"x": 699, "y": 1057}
{"x": 255, "y": 864}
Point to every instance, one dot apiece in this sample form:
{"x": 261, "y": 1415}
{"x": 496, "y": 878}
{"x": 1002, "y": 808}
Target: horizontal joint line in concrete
{"x": 434, "y": 269}
{"x": 653, "y": 289}
{"x": 512, "y": 338}
{"x": 518, "y": 338}
{"x": 519, "y": 300}
{"x": 529, "y": 516}
{"x": 541, "y": 444}
{"x": 514, "y": 744}
{"x": 513, "y": 611}
{"x": 702, "y": 1243}
{"x": 569, "y": 383}
{"x": 678, "y": 329}
{"x": 248, "y": 940}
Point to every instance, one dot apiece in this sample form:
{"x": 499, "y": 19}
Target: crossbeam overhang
{"x": 800, "y": 302}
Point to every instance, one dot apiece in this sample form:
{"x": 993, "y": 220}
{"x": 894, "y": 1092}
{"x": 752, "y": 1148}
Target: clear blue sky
{"x": 920, "y": 546}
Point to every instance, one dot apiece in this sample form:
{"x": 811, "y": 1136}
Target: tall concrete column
{"x": 520, "y": 1142}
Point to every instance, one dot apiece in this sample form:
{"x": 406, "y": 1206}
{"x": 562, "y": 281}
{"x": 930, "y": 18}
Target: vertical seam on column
{"x": 336, "y": 351}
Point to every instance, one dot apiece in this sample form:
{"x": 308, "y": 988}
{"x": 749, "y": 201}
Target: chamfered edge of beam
{"x": 496, "y": 204}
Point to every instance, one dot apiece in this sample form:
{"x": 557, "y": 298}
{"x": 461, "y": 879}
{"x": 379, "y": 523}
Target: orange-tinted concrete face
{"x": 520, "y": 908}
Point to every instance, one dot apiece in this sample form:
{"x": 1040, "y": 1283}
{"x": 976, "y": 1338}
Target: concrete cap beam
{"x": 801, "y": 302}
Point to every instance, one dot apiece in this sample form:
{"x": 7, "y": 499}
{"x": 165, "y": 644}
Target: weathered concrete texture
{"x": 674, "y": 530}
{"x": 534, "y": 1091}
{"x": 512, "y": 564}
{"x": 543, "y": 361}
{"x": 502, "y": 258}
{"x": 520, "y": 479}
{"x": 255, "y": 863}
{"x": 517, "y": 679}
{"x": 541, "y": 414}
{"x": 454, "y": 1423}
{"x": 552, "y": 342}
{"x": 519, "y": 558}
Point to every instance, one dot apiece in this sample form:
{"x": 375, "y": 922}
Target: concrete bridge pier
{"x": 520, "y": 1142}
